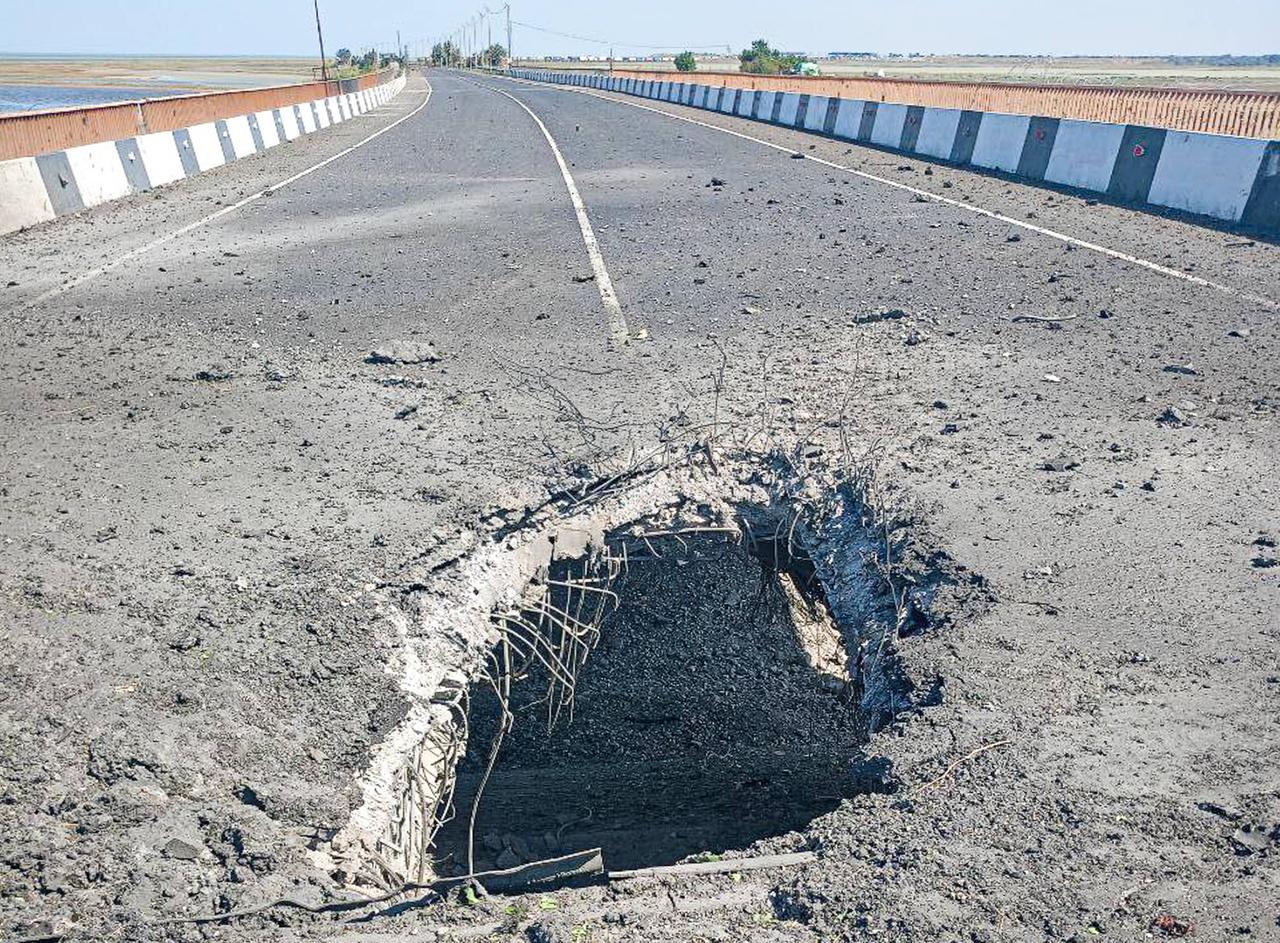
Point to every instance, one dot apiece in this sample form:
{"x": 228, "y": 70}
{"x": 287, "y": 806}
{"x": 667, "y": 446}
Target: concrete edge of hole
{"x": 387, "y": 838}
{"x": 439, "y": 649}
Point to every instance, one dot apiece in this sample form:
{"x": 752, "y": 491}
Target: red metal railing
{"x": 1246, "y": 114}
{"x": 29, "y": 133}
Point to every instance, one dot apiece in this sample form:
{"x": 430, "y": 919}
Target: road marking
{"x": 613, "y": 310}
{"x": 182, "y": 231}
{"x": 898, "y": 185}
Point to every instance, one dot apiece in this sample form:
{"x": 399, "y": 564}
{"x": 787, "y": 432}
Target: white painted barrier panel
{"x": 289, "y": 121}
{"x": 727, "y": 98}
{"x": 816, "y": 116}
{"x": 160, "y": 157}
{"x": 308, "y": 118}
{"x": 335, "y": 113}
{"x": 790, "y": 105}
{"x": 267, "y": 128}
{"x": 1000, "y": 140}
{"x": 321, "y": 113}
{"x": 241, "y": 137}
{"x": 208, "y": 148}
{"x": 98, "y": 172}
{"x": 938, "y": 132}
{"x": 849, "y": 120}
{"x": 25, "y": 202}
{"x": 744, "y": 105}
{"x": 767, "y": 99}
{"x": 1207, "y": 173}
{"x": 1084, "y": 154}
{"x": 890, "y": 120}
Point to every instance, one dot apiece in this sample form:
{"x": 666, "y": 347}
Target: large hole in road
{"x": 693, "y": 694}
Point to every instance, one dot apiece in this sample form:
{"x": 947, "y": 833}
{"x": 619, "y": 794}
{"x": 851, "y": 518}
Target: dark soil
{"x": 700, "y": 725}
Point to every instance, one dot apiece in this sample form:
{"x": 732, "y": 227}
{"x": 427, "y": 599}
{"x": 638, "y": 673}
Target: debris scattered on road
{"x": 1052, "y": 378}
{"x": 1172, "y": 416}
{"x": 1173, "y": 927}
{"x": 750, "y": 309}
{"x": 1041, "y": 319}
{"x": 1251, "y": 839}
{"x": 405, "y": 352}
{"x": 885, "y": 314}
{"x": 186, "y": 641}
{"x": 216, "y": 374}
{"x": 182, "y": 850}
{"x": 1063, "y": 463}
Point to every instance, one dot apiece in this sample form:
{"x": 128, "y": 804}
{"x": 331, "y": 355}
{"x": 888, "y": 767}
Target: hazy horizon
{"x": 1091, "y": 28}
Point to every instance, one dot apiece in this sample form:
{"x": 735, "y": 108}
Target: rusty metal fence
{"x": 28, "y": 134}
{"x": 1244, "y": 114}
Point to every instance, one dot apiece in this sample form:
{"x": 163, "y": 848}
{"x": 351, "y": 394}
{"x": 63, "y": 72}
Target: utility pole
{"x": 510, "y": 55}
{"x": 400, "y": 49}
{"x": 324, "y": 64}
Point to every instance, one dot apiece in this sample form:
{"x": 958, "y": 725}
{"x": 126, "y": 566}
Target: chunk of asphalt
{"x": 405, "y": 352}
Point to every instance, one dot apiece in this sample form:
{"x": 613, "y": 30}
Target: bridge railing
{"x": 1243, "y": 114}
{"x": 26, "y": 134}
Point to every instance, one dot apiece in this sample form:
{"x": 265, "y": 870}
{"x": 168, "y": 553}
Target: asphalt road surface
{"x": 211, "y": 497}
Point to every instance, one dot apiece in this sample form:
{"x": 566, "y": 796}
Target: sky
{"x": 1011, "y": 27}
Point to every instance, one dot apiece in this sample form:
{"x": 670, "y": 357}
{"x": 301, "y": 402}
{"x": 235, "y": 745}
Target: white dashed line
{"x": 613, "y": 310}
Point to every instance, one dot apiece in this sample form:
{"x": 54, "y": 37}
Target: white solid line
{"x": 169, "y": 237}
{"x": 990, "y": 214}
{"x": 613, "y": 310}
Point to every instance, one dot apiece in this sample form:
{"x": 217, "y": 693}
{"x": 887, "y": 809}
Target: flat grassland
{"x": 1034, "y": 70}
{"x": 196, "y": 73}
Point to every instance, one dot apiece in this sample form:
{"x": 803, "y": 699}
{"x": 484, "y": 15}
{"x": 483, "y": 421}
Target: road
{"x": 212, "y": 497}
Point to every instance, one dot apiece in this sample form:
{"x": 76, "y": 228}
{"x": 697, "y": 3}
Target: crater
{"x": 683, "y": 689}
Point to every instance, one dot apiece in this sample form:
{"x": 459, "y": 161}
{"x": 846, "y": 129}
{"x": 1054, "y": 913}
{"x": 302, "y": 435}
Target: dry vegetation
{"x": 141, "y": 72}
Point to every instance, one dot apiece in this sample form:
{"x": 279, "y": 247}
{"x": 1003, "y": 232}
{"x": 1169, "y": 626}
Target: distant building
{"x": 852, "y": 55}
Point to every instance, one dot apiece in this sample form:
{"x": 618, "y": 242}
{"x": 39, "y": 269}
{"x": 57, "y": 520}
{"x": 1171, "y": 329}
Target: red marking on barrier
{"x": 1139, "y": 150}
{"x": 1039, "y": 134}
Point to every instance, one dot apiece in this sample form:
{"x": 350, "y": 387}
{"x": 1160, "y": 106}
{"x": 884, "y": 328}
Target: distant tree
{"x": 494, "y": 56}
{"x": 343, "y": 56}
{"x": 685, "y": 62}
{"x": 445, "y": 54}
{"x": 763, "y": 59}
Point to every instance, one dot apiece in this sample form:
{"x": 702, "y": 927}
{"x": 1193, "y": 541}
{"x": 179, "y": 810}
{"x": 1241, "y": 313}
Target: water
{"x": 42, "y": 97}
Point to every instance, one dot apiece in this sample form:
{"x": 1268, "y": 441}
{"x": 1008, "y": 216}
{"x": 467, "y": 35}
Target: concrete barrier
{"x": 1222, "y": 177}
{"x": 1207, "y": 111}
{"x": 35, "y": 189}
